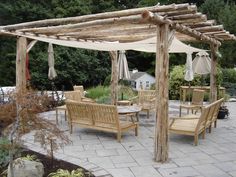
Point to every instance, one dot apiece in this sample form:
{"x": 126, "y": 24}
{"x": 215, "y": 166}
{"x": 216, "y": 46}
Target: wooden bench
{"x": 194, "y": 125}
{"x": 72, "y": 95}
{"x": 98, "y": 117}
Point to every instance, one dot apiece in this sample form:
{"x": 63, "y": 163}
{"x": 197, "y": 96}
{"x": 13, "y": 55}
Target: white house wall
{"x": 144, "y": 79}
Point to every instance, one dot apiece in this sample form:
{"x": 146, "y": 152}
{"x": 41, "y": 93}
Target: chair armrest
{"x": 191, "y": 106}
{"x": 184, "y": 118}
{"x": 172, "y": 121}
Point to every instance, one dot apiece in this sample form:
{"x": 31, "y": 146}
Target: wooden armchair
{"x": 73, "y": 95}
{"x": 80, "y": 88}
{"x": 191, "y": 126}
{"x": 146, "y": 99}
{"x": 194, "y": 125}
{"x": 196, "y": 103}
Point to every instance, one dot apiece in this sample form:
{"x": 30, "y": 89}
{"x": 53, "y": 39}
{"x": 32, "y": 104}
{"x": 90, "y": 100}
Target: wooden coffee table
{"x": 129, "y": 111}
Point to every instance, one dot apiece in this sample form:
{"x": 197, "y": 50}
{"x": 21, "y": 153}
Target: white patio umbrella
{"x": 202, "y": 63}
{"x": 189, "y": 68}
{"x": 189, "y": 71}
{"x": 123, "y": 69}
{"x": 51, "y": 72}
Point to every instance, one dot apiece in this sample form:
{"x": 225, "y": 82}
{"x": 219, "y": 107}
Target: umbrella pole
{"x": 189, "y": 92}
{"x": 202, "y": 80}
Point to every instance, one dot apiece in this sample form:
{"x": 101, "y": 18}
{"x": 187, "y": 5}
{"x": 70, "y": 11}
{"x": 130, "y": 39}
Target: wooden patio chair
{"x": 79, "y": 88}
{"x": 213, "y": 113}
{"x": 146, "y": 99}
{"x": 191, "y": 126}
{"x": 196, "y": 103}
{"x": 73, "y": 95}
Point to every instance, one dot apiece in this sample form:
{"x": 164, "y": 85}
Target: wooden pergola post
{"x": 162, "y": 79}
{"x": 114, "y": 77}
{"x": 213, "y": 89}
{"x": 21, "y": 64}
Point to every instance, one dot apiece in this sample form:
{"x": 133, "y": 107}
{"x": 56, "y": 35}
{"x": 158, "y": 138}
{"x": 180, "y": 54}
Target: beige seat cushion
{"x": 184, "y": 125}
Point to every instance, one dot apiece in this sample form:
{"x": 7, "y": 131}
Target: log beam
{"x": 162, "y": 74}
{"x": 156, "y": 19}
{"x": 213, "y": 84}
{"x": 79, "y": 19}
{"x": 21, "y": 64}
{"x": 114, "y": 77}
{"x": 210, "y": 28}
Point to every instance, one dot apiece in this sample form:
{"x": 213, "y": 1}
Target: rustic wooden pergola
{"x": 164, "y": 22}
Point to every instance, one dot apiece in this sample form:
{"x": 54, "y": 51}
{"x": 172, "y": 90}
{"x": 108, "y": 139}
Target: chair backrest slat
{"x": 100, "y": 115}
{"x": 79, "y": 88}
{"x": 198, "y": 96}
{"x": 209, "y": 113}
{"x": 73, "y": 95}
{"x": 146, "y": 95}
{"x": 79, "y": 113}
{"x": 105, "y": 115}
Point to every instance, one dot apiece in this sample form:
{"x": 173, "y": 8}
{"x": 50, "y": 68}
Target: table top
{"x": 124, "y": 103}
{"x": 199, "y": 87}
{"x": 61, "y": 107}
{"x": 128, "y": 109}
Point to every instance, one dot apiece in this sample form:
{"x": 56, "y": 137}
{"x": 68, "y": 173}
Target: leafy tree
{"x": 223, "y": 13}
{"x": 74, "y": 66}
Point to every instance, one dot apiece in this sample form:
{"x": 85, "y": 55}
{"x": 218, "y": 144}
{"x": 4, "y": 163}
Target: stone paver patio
{"x": 100, "y": 152}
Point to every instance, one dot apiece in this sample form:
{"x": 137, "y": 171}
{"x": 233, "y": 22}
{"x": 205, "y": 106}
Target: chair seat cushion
{"x": 191, "y": 116}
{"x": 188, "y": 125}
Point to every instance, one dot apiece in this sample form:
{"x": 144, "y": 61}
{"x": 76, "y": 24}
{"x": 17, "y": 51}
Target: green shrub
{"x": 30, "y": 158}
{"x": 107, "y": 81}
{"x": 106, "y": 99}
{"x": 229, "y": 75}
{"x": 219, "y": 77}
{"x": 98, "y": 92}
{"x": 4, "y": 152}
{"x": 229, "y": 81}
{"x": 177, "y": 80}
{"x": 66, "y": 173}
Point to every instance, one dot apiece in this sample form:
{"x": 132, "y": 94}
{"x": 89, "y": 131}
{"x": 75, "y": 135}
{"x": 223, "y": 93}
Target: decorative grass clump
{"x": 102, "y": 94}
{"x": 126, "y": 92}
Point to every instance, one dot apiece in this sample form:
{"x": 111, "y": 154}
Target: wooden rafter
{"x": 127, "y": 25}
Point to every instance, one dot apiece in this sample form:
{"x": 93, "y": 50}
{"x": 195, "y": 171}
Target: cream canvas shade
{"x": 147, "y": 45}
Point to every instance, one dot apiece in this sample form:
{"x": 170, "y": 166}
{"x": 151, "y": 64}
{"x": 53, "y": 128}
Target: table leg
{"x": 57, "y": 116}
{"x": 137, "y": 116}
{"x": 65, "y": 116}
{"x": 180, "y": 109}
